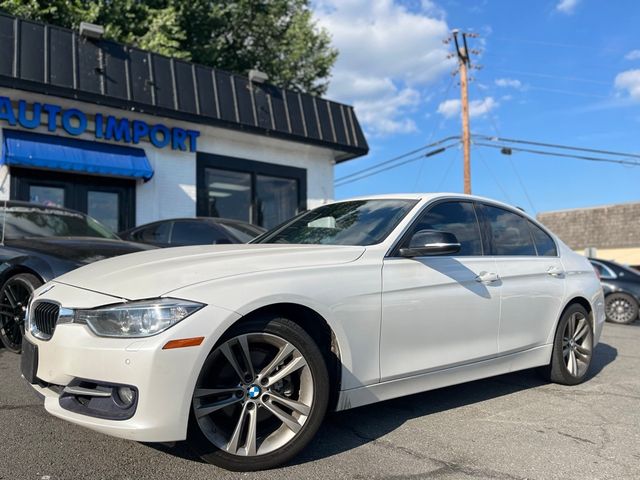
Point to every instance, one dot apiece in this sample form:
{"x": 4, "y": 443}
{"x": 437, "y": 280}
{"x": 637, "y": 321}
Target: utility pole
{"x": 464, "y": 64}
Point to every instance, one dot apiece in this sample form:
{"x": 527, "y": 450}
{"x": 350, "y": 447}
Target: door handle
{"x": 555, "y": 271}
{"x": 487, "y": 277}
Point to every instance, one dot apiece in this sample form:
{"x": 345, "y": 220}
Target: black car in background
{"x": 177, "y": 232}
{"x": 39, "y": 243}
{"x": 621, "y": 287}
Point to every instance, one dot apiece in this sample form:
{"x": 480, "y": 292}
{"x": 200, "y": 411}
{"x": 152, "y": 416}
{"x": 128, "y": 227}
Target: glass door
{"x": 108, "y": 200}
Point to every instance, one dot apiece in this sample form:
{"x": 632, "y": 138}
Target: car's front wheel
{"x": 621, "y": 308}
{"x": 14, "y": 297}
{"x": 572, "y": 348}
{"x": 260, "y": 397}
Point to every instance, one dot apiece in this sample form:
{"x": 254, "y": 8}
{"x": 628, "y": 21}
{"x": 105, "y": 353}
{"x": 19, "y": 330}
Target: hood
{"x": 155, "y": 273}
{"x": 79, "y": 250}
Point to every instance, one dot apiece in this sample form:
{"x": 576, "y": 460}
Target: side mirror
{"x": 431, "y": 242}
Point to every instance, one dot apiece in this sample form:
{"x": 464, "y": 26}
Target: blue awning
{"x": 26, "y": 149}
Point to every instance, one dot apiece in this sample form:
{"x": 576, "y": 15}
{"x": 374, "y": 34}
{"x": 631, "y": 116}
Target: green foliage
{"x": 277, "y": 37}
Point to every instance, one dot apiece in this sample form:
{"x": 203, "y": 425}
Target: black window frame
{"x": 77, "y": 187}
{"x": 405, "y": 237}
{"x": 251, "y": 167}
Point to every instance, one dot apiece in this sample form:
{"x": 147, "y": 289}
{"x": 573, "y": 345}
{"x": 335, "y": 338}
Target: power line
{"x": 394, "y": 159}
{"x": 446, "y": 173}
{"x": 494, "y": 124}
{"x": 495, "y": 179}
{"x": 557, "y": 154}
{"x": 567, "y": 92}
{"x": 556, "y": 145}
{"x": 396, "y": 165}
{"x": 556, "y": 77}
{"x": 433, "y": 132}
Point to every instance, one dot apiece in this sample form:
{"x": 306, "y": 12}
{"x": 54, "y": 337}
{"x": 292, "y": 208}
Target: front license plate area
{"x": 29, "y": 361}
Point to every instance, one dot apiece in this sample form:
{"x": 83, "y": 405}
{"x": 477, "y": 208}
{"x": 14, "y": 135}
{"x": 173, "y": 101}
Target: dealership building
{"x": 129, "y": 136}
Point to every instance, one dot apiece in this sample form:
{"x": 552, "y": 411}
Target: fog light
{"x": 126, "y": 396}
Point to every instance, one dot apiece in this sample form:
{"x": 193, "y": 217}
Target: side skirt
{"x": 357, "y": 397}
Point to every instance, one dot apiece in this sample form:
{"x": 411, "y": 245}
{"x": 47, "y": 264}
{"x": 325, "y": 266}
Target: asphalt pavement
{"x": 510, "y": 427}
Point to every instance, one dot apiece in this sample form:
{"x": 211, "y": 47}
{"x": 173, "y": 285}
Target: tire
{"x": 14, "y": 296}
{"x": 230, "y": 402}
{"x": 621, "y": 308}
{"x": 572, "y": 348}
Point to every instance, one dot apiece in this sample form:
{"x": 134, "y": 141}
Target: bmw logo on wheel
{"x": 253, "y": 392}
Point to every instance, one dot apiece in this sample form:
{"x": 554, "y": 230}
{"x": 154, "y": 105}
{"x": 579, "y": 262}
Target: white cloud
{"x": 449, "y": 108}
{"x": 388, "y": 54}
{"x": 508, "y": 82}
{"x": 633, "y": 55}
{"x": 477, "y": 108}
{"x": 567, "y": 6}
{"x": 629, "y": 82}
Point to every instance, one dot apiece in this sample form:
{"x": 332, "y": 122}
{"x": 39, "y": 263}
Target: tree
{"x": 278, "y": 37}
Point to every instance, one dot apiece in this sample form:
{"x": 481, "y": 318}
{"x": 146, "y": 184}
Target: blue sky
{"x": 556, "y": 71}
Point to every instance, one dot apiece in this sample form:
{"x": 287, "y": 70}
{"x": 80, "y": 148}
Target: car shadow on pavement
{"x": 344, "y": 431}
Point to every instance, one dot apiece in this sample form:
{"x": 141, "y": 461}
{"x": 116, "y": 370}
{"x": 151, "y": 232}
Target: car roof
{"x": 427, "y": 196}
{"x": 39, "y": 206}
{"x": 197, "y": 219}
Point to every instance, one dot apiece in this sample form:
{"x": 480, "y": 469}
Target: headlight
{"x": 136, "y": 319}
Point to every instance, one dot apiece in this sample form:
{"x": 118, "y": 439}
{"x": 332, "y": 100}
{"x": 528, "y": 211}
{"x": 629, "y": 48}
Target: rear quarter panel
{"x": 581, "y": 281}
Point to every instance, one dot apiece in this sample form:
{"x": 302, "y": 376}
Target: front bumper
{"x": 164, "y": 379}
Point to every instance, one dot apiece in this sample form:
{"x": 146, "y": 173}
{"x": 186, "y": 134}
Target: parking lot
{"x": 510, "y": 427}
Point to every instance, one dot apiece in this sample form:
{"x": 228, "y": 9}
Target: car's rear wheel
{"x": 572, "y": 348}
{"x": 14, "y": 297}
{"x": 260, "y": 397}
{"x": 621, "y": 308}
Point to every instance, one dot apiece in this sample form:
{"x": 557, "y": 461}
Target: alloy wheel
{"x": 254, "y": 394}
{"x": 620, "y": 310}
{"x": 14, "y": 298}
{"x": 577, "y": 344}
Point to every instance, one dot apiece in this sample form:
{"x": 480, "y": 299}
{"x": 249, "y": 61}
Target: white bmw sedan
{"x": 241, "y": 349}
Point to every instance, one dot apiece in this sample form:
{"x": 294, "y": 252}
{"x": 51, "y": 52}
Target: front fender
{"x": 348, "y": 297}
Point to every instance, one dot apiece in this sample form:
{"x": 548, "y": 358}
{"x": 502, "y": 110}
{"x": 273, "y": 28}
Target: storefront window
{"x": 228, "y": 194}
{"x": 260, "y": 193}
{"x": 104, "y": 207}
{"x": 277, "y": 200}
{"x": 49, "y": 196}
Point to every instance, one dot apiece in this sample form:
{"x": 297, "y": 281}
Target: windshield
{"x": 356, "y": 222}
{"x": 21, "y": 222}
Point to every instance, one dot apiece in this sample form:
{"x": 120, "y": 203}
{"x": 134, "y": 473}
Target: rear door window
{"x": 156, "y": 233}
{"x": 196, "y": 233}
{"x": 545, "y": 245}
{"x": 509, "y": 232}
